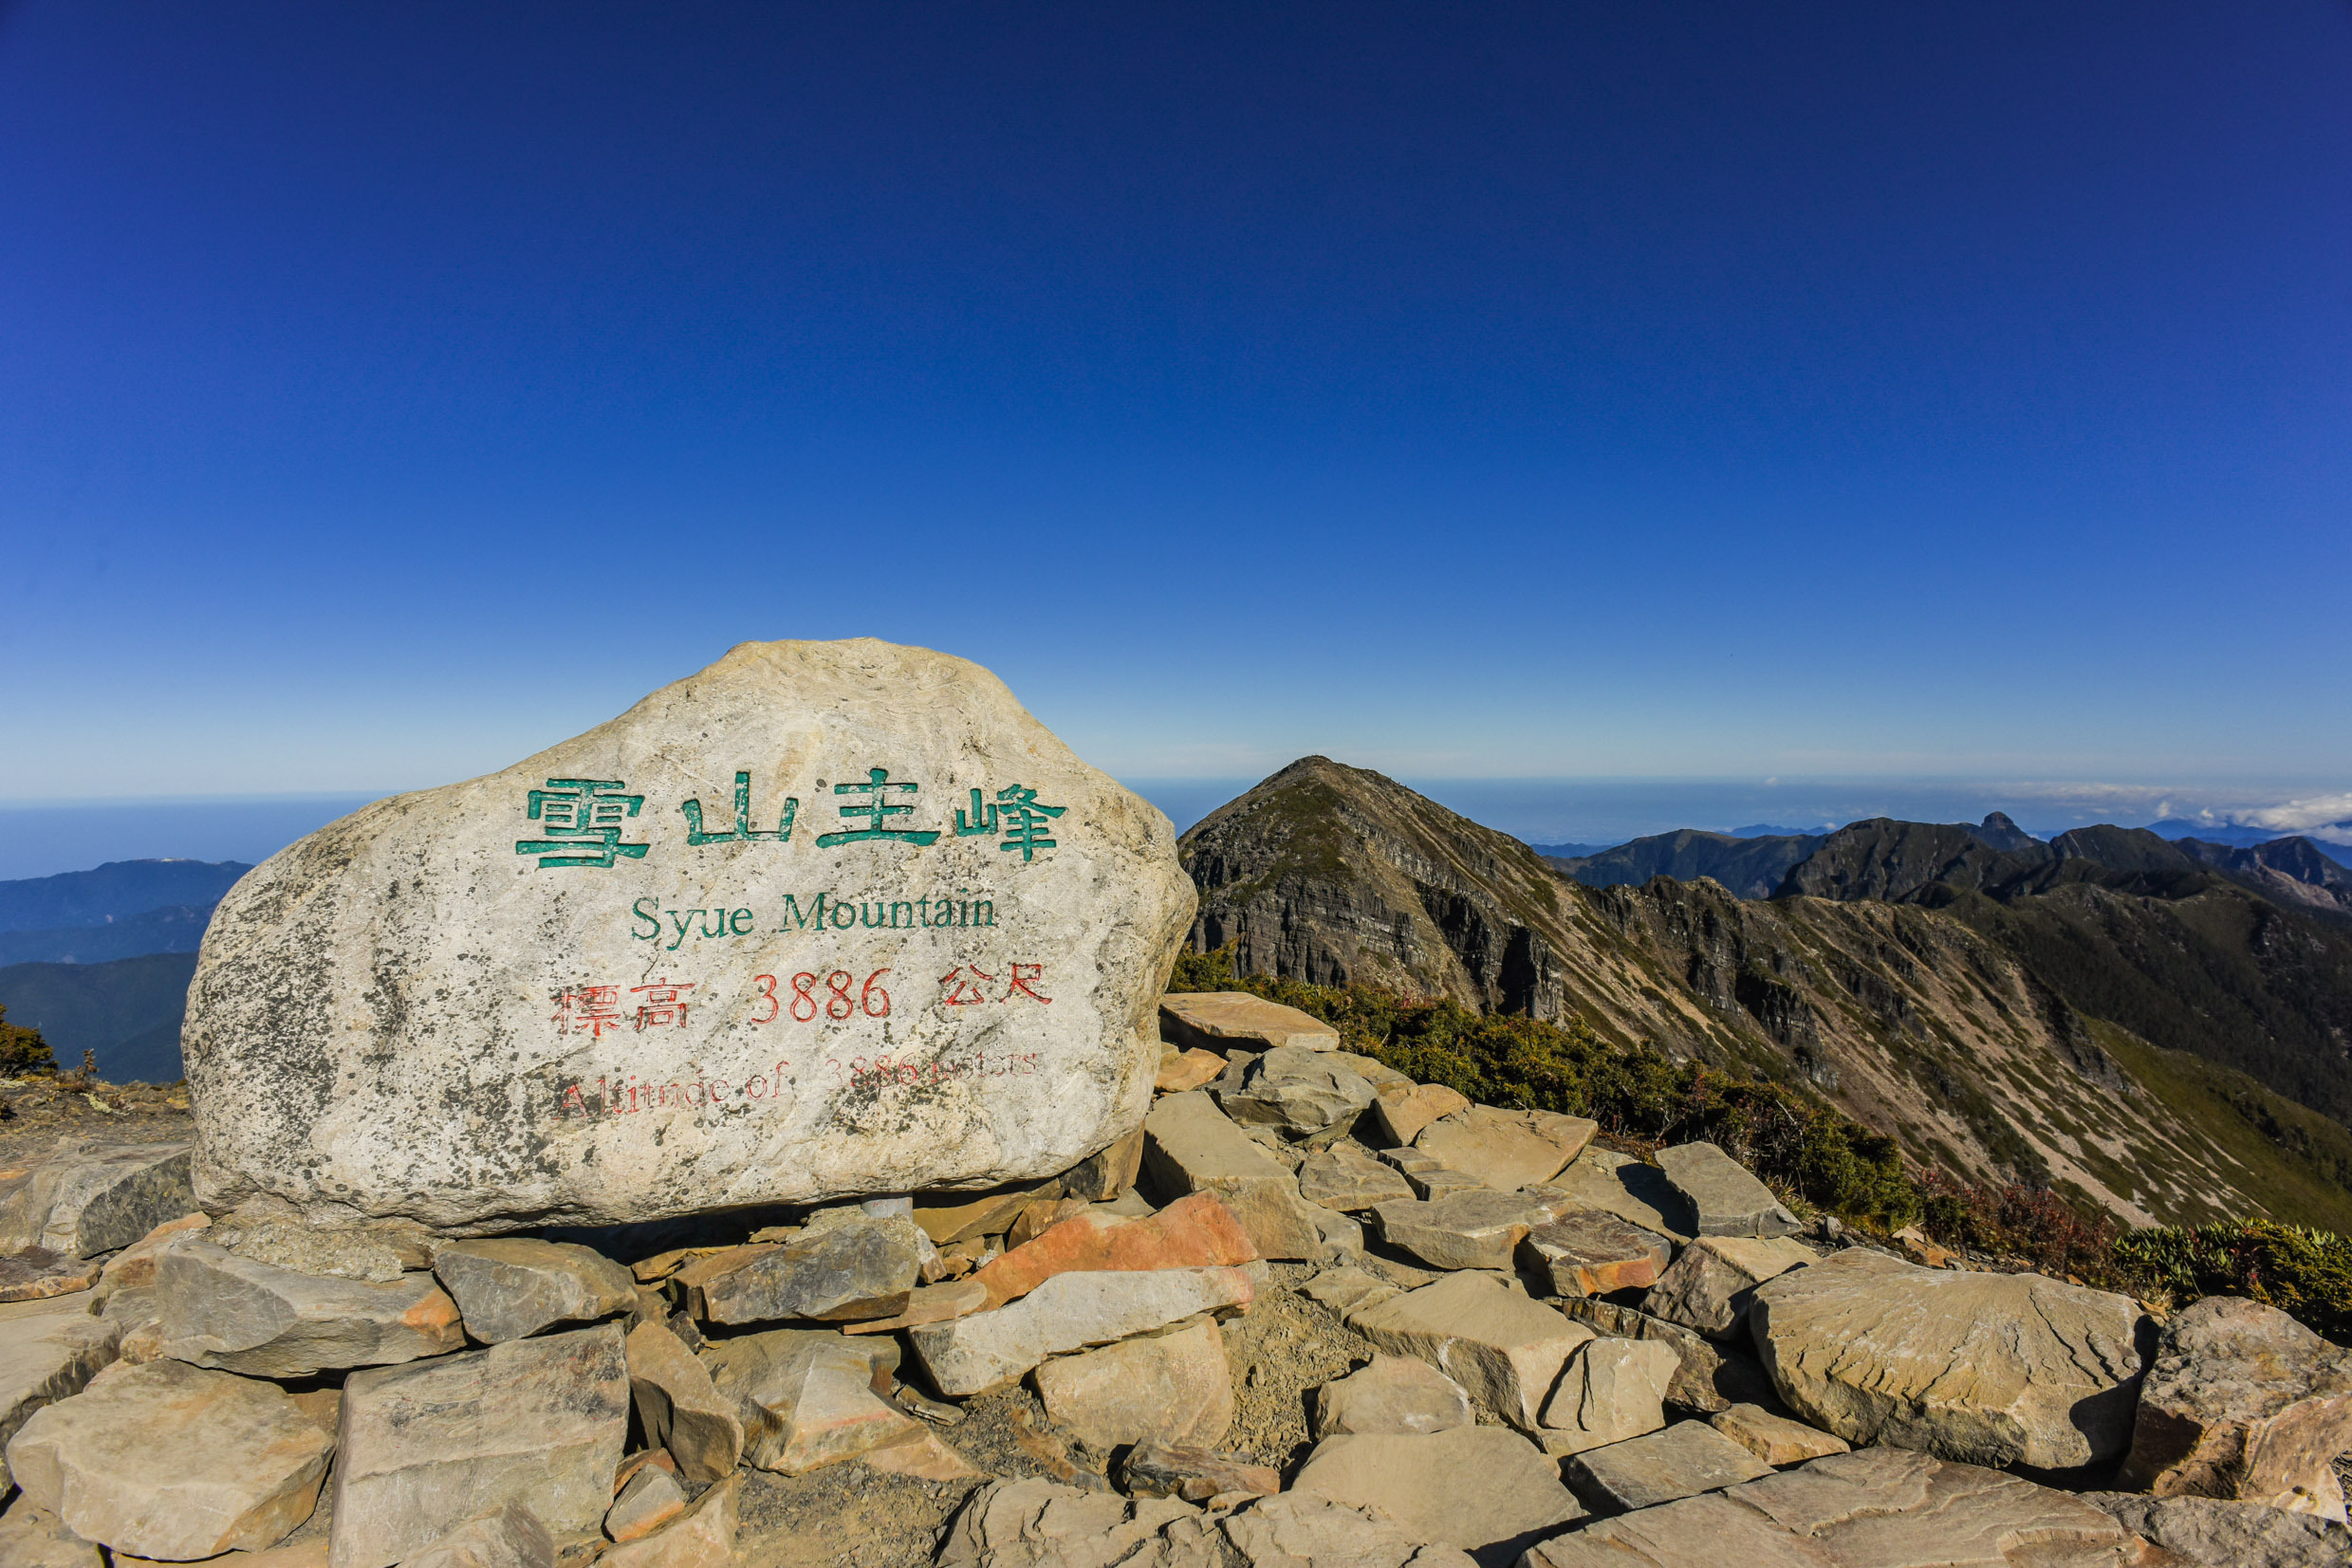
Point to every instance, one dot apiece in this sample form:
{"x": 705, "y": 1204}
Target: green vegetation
{"x": 23, "y": 1050}
{"x": 1809, "y": 1152}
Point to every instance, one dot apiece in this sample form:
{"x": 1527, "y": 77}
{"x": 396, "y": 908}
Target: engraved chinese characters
{"x": 825, "y": 919}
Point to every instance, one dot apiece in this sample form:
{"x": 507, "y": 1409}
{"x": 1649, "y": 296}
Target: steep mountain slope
{"x": 128, "y": 1011}
{"x": 2294, "y": 871}
{"x": 1749, "y": 867}
{"x": 1903, "y": 1016}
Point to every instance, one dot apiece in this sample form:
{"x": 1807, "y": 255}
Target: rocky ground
{"x": 1343, "y": 1319}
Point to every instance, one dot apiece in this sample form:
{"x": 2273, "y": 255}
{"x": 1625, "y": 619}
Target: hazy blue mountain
{"x": 1751, "y": 868}
{"x": 128, "y": 1011}
{"x": 1767, "y": 830}
{"x": 1567, "y": 852}
{"x": 176, "y": 928}
{"x": 114, "y": 892}
{"x": 2233, "y": 836}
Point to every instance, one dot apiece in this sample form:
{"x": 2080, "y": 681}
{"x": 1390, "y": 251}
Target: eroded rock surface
{"x": 1504, "y": 1349}
{"x": 1190, "y": 1146}
{"x": 1066, "y": 1312}
{"x": 1174, "y": 1387}
{"x": 1724, "y": 1198}
{"x": 511, "y": 1288}
{"x": 89, "y": 1196}
{"x": 1395, "y": 1396}
{"x": 224, "y": 1310}
{"x": 1217, "y": 1020}
{"x": 1486, "y": 1491}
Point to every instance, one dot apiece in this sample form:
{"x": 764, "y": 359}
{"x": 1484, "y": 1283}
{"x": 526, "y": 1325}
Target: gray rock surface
{"x": 31, "y": 1538}
{"x": 654, "y": 1057}
{"x": 1299, "y": 1531}
{"x": 1684, "y": 1460}
{"x": 1401, "y": 1110}
{"x": 679, "y": 1407}
{"x": 2210, "y": 1533}
{"x": 1477, "y": 1228}
{"x": 1190, "y": 1146}
{"x": 2243, "y": 1402}
{"x": 1711, "y": 1286}
{"x": 1623, "y": 1186}
{"x": 337, "y": 1253}
{"x": 1344, "y": 1177}
{"x": 1505, "y": 1350}
{"x": 1506, "y": 1150}
{"x": 1592, "y": 1253}
{"x": 854, "y": 1269}
{"x": 646, "y": 1501}
{"x": 1041, "y": 1524}
{"x": 48, "y": 1350}
{"x": 1393, "y": 1395}
{"x": 426, "y": 1446}
{"x": 1609, "y": 1390}
{"x": 220, "y": 1310}
{"x": 702, "y": 1537}
{"x": 1304, "y": 1094}
{"x": 1710, "y": 1377}
{"x": 170, "y": 1461}
{"x": 1196, "y": 1475}
{"x": 2001, "y": 1369}
{"x": 1481, "y": 1489}
{"x": 1066, "y": 1312}
{"x": 1724, "y": 1198}
{"x": 816, "y": 1405}
{"x": 511, "y": 1538}
{"x": 512, "y": 1287}
{"x": 1219, "y": 1019}
{"x": 1875, "y": 1508}
{"x": 1174, "y": 1387}
{"x": 88, "y": 1196}
{"x": 1775, "y": 1439}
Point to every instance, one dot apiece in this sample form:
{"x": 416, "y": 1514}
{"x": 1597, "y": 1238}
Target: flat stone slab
{"x": 863, "y": 1267}
{"x": 1480, "y": 1489}
{"x": 1160, "y": 1470}
{"x": 38, "y": 1274}
{"x": 1068, "y": 1312}
{"x": 1712, "y": 1286}
{"x": 1175, "y": 1387}
{"x": 1190, "y": 1146}
{"x": 2011, "y": 1369}
{"x": 702, "y": 1537}
{"x": 1610, "y": 1391}
{"x": 426, "y": 1446}
{"x": 1775, "y": 1439}
{"x": 1182, "y": 1070}
{"x": 1638, "y": 1193}
{"x": 338, "y": 1253}
{"x": 2243, "y": 1403}
{"x": 1401, "y": 1110}
{"x": 1393, "y": 1395}
{"x": 1592, "y": 1253}
{"x": 1725, "y": 1198}
{"x": 2211, "y": 1533}
{"x": 1198, "y": 1231}
{"x": 1216, "y": 1020}
{"x": 1506, "y": 1150}
{"x": 513, "y": 1288}
{"x": 1711, "y": 1376}
{"x": 679, "y": 1407}
{"x": 1303, "y": 1095}
{"x": 48, "y": 1350}
{"x": 1684, "y": 1460}
{"x": 1476, "y": 1227}
{"x": 1347, "y": 1179}
{"x": 634, "y": 914}
{"x": 511, "y": 1538}
{"x": 1874, "y": 1508}
{"x": 1299, "y": 1531}
{"x": 223, "y": 1311}
{"x": 1034, "y": 1523}
{"x": 33, "y": 1538}
{"x": 1505, "y": 1350}
{"x": 89, "y": 1195}
{"x": 170, "y": 1461}
{"x": 816, "y": 1405}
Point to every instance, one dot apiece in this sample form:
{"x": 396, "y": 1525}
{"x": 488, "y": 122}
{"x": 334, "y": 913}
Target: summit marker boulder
{"x": 826, "y": 920}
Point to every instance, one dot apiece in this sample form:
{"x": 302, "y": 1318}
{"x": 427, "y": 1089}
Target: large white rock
{"x": 679, "y": 962}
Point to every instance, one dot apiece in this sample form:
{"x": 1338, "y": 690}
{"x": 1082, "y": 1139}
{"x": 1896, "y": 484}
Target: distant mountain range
{"x": 128, "y": 1011}
{"x": 113, "y": 892}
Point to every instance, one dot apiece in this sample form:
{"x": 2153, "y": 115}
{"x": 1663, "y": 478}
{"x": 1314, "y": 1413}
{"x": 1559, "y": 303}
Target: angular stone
{"x": 1347, "y": 1288}
{"x": 1190, "y": 1146}
{"x": 1506, "y": 1150}
{"x": 1041, "y": 1524}
{"x": 1480, "y": 1489}
{"x": 702, "y": 1537}
{"x": 1394, "y": 1396}
{"x": 948, "y": 1217}
{"x": 1106, "y": 1174}
{"x": 1173, "y": 1387}
{"x": 511, "y": 1538}
{"x": 1343, "y": 1238}
{"x": 1713, "y": 1285}
{"x": 418, "y": 931}
{"x": 1710, "y": 1377}
{"x": 510, "y": 1288}
{"x": 1477, "y": 1228}
{"x": 1182, "y": 1070}
{"x": 2243, "y": 1403}
{"x": 333, "y": 1253}
{"x": 38, "y": 1274}
{"x": 929, "y": 1305}
{"x": 2204, "y": 1532}
{"x": 1503, "y": 1349}
{"x": 1684, "y": 1460}
{"x": 1159, "y": 1469}
{"x": 220, "y": 1310}
{"x": 1877, "y": 1508}
{"x": 2006, "y": 1369}
{"x": 1379, "y": 1074}
{"x": 30, "y": 1538}
{"x": 1042, "y": 1216}
{"x": 1610, "y": 1391}
{"x": 426, "y": 1446}
{"x": 1638, "y": 1193}
{"x": 1775, "y": 1439}
{"x": 1438, "y": 1181}
{"x": 648, "y": 1499}
{"x": 679, "y": 1408}
{"x": 1295, "y": 1531}
{"x": 819, "y": 1407}
{"x": 1300, "y": 1094}
{"x": 1214, "y": 1020}
{"x": 88, "y": 1196}
{"x": 1344, "y": 1177}
{"x": 1401, "y": 1110}
{"x": 926, "y": 1456}
{"x": 1194, "y": 1232}
{"x": 135, "y": 1265}
{"x": 169, "y": 1460}
{"x": 846, "y": 1271}
{"x": 1066, "y": 1312}
{"x": 48, "y": 1350}
{"x": 1724, "y": 1199}
{"x": 1591, "y": 1252}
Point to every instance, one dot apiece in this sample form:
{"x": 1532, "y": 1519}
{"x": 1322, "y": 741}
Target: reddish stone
{"x": 1193, "y": 1232}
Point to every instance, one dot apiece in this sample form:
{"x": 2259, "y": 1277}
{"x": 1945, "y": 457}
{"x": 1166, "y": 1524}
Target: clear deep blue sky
{"x": 1469, "y": 392}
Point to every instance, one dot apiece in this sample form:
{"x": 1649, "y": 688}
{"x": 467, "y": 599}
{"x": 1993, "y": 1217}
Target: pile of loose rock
{"x": 1556, "y": 1355}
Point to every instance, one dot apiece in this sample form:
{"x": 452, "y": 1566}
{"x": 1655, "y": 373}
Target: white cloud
{"x": 2319, "y": 811}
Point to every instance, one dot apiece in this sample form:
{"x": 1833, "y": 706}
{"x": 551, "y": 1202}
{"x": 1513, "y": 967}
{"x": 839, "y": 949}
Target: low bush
{"x": 2305, "y": 1273}
{"x": 22, "y": 1050}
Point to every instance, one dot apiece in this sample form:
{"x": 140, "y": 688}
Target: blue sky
{"x": 1920, "y": 392}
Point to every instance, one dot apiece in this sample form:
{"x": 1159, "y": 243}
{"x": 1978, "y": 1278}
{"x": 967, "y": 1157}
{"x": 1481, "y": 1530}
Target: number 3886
{"x": 834, "y": 1001}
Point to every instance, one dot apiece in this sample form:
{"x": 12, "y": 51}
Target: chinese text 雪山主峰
{"x": 877, "y": 809}
{"x": 1015, "y": 813}
{"x": 581, "y": 820}
{"x": 743, "y": 831}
